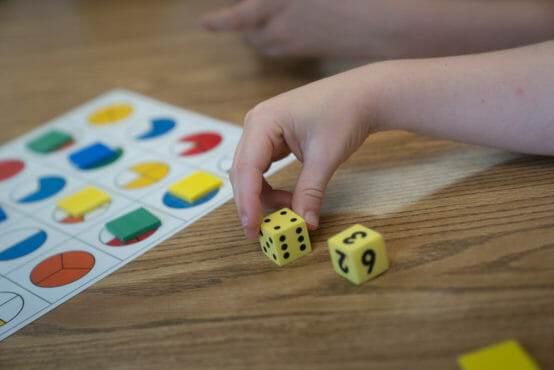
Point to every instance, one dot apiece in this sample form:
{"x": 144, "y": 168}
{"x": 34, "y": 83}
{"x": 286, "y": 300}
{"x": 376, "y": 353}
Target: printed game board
{"x": 116, "y": 155}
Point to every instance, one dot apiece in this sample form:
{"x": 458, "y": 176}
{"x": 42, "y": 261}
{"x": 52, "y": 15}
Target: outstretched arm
{"x": 384, "y": 29}
{"x": 503, "y": 99}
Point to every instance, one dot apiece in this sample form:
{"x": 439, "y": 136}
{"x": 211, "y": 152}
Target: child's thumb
{"x": 309, "y": 191}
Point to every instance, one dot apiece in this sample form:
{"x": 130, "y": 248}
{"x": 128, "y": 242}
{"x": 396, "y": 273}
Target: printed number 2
{"x": 352, "y": 238}
{"x": 342, "y": 265}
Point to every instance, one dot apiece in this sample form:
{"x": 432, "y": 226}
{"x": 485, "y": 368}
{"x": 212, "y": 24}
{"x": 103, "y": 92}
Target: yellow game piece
{"x": 83, "y": 201}
{"x": 508, "y": 355}
{"x": 1, "y": 322}
{"x": 195, "y": 186}
{"x": 358, "y": 254}
{"x": 110, "y": 114}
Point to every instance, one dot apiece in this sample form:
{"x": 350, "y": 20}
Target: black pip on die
{"x": 284, "y": 237}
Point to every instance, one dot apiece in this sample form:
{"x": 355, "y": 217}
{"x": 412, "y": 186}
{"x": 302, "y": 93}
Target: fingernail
{"x": 311, "y": 218}
{"x": 244, "y": 220}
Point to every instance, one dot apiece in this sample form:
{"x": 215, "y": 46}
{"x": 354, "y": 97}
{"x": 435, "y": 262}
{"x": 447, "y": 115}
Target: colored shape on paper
{"x": 92, "y": 155}
{"x": 115, "y": 157}
{"x": 83, "y": 201}
{"x": 508, "y": 355}
{"x": 11, "y": 305}
{"x": 173, "y": 202}
{"x": 72, "y": 220}
{"x": 3, "y": 216}
{"x": 10, "y": 168}
{"x": 49, "y": 141}
{"x": 21, "y": 242}
{"x": 199, "y": 143}
{"x": 115, "y": 242}
{"x": 110, "y": 114}
{"x": 47, "y": 187}
{"x": 158, "y": 127}
{"x": 195, "y": 186}
{"x": 142, "y": 175}
{"x": 62, "y": 269}
{"x": 133, "y": 224}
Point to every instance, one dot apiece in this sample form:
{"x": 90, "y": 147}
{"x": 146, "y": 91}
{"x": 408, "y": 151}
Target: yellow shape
{"x": 284, "y": 237}
{"x": 508, "y": 355}
{"x": 1, "y": 322}
{"x": 150, "y": 173}
{"x": 195, "y": 186}
{"x": 358, "y": 254}
{"x": 110, "y": 114}
{"x": 83, "y": 201}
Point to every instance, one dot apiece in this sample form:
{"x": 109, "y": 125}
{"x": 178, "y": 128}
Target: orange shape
{"x": 46, "y": 268}
{"x": 62, "y": 269}
{"x": 77, "y": 260}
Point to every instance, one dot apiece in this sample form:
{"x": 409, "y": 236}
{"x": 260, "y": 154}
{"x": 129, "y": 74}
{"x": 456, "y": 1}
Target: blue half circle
{"x": 159, "y": 127}
{"x": 174, "y": 202}
{"x": 47, "y": 186}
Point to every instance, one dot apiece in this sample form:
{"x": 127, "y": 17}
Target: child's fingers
{"x": 241, "y": 16}
{"x": 310, "y": 188}
{"x": 253, "y": 156}
{"x": 273, "y": 198}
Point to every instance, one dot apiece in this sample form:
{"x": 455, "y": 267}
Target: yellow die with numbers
{"x": 358, "y": 254}
{"x": 284, "y": 237}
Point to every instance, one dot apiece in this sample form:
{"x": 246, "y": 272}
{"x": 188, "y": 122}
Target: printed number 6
{"x": 352, "y": 238}
{"x": 368, "y": 259}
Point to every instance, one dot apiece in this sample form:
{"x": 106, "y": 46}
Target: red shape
{"x": 9, "y": 168}
{"x": 62, "y": 269}
{"x": 115, "y": 242}
{"x": 202, "y": 142}
{"x": 72, "y": 220}
{"x": 66, "y": 145}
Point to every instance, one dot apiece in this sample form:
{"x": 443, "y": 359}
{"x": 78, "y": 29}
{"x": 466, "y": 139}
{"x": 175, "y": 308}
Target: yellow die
{"x": 284, "y": 237}
{"x": 358, "y": 254}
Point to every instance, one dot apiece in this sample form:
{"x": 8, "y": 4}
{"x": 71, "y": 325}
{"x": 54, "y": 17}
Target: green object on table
{"x": 133, "y": 224}
{"x": 49, "y": 141}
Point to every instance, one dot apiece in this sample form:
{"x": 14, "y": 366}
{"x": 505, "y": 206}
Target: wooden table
{"x": 469, "y": 230}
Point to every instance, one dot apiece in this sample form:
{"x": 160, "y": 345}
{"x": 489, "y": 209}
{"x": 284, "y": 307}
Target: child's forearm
{"x": 426, "y": 28}
{"x": 503, "y": 99}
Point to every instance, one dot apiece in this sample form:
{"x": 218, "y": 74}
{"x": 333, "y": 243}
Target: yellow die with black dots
{"x": 284, "y": 237}
{"x": 358, "y": 254}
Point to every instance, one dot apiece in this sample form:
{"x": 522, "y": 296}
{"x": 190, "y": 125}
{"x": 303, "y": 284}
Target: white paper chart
{"x": 47, "y": 255}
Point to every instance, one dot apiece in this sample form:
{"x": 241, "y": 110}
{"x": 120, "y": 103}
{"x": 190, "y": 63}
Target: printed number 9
{"x": 368, "y": 259}
{"x": 352, "y": 238}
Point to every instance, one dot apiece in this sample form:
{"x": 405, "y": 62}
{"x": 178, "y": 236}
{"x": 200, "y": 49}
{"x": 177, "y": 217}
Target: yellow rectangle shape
{"x": 508, "y": 355}
{"x": 195, "y": 186}
{"x": 84, "y": 201}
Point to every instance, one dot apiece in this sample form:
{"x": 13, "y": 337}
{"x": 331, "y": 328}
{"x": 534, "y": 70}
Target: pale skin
{"x": 502, "y": 99}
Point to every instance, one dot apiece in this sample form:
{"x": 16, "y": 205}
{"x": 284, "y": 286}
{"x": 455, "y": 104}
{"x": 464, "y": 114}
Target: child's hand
{"x": 322, "y": 123}
{"x": 306, "y": 27}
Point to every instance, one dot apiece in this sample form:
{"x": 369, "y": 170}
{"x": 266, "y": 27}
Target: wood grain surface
{"x": 469, "y": 230}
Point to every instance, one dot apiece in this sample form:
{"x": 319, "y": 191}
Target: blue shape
{"x": 24, "y": 247}
{"x": 159, "y": 127}
{"x": 3, "y": 216}
{"x": 174, "y": 202}
{"x": 47, "y": 186}
{"x": 91, "y": 155}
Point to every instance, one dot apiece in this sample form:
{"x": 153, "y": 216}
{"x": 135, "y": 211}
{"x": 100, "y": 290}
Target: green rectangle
{"x": 49, "y": 141}
{"x": 133, "y": 224}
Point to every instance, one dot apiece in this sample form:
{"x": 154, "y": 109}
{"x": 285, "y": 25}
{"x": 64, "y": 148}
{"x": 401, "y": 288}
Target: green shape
{"x": 49, "y": 141}
{"x": 105, "y": 162}
{"x": 133, "y": 224}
